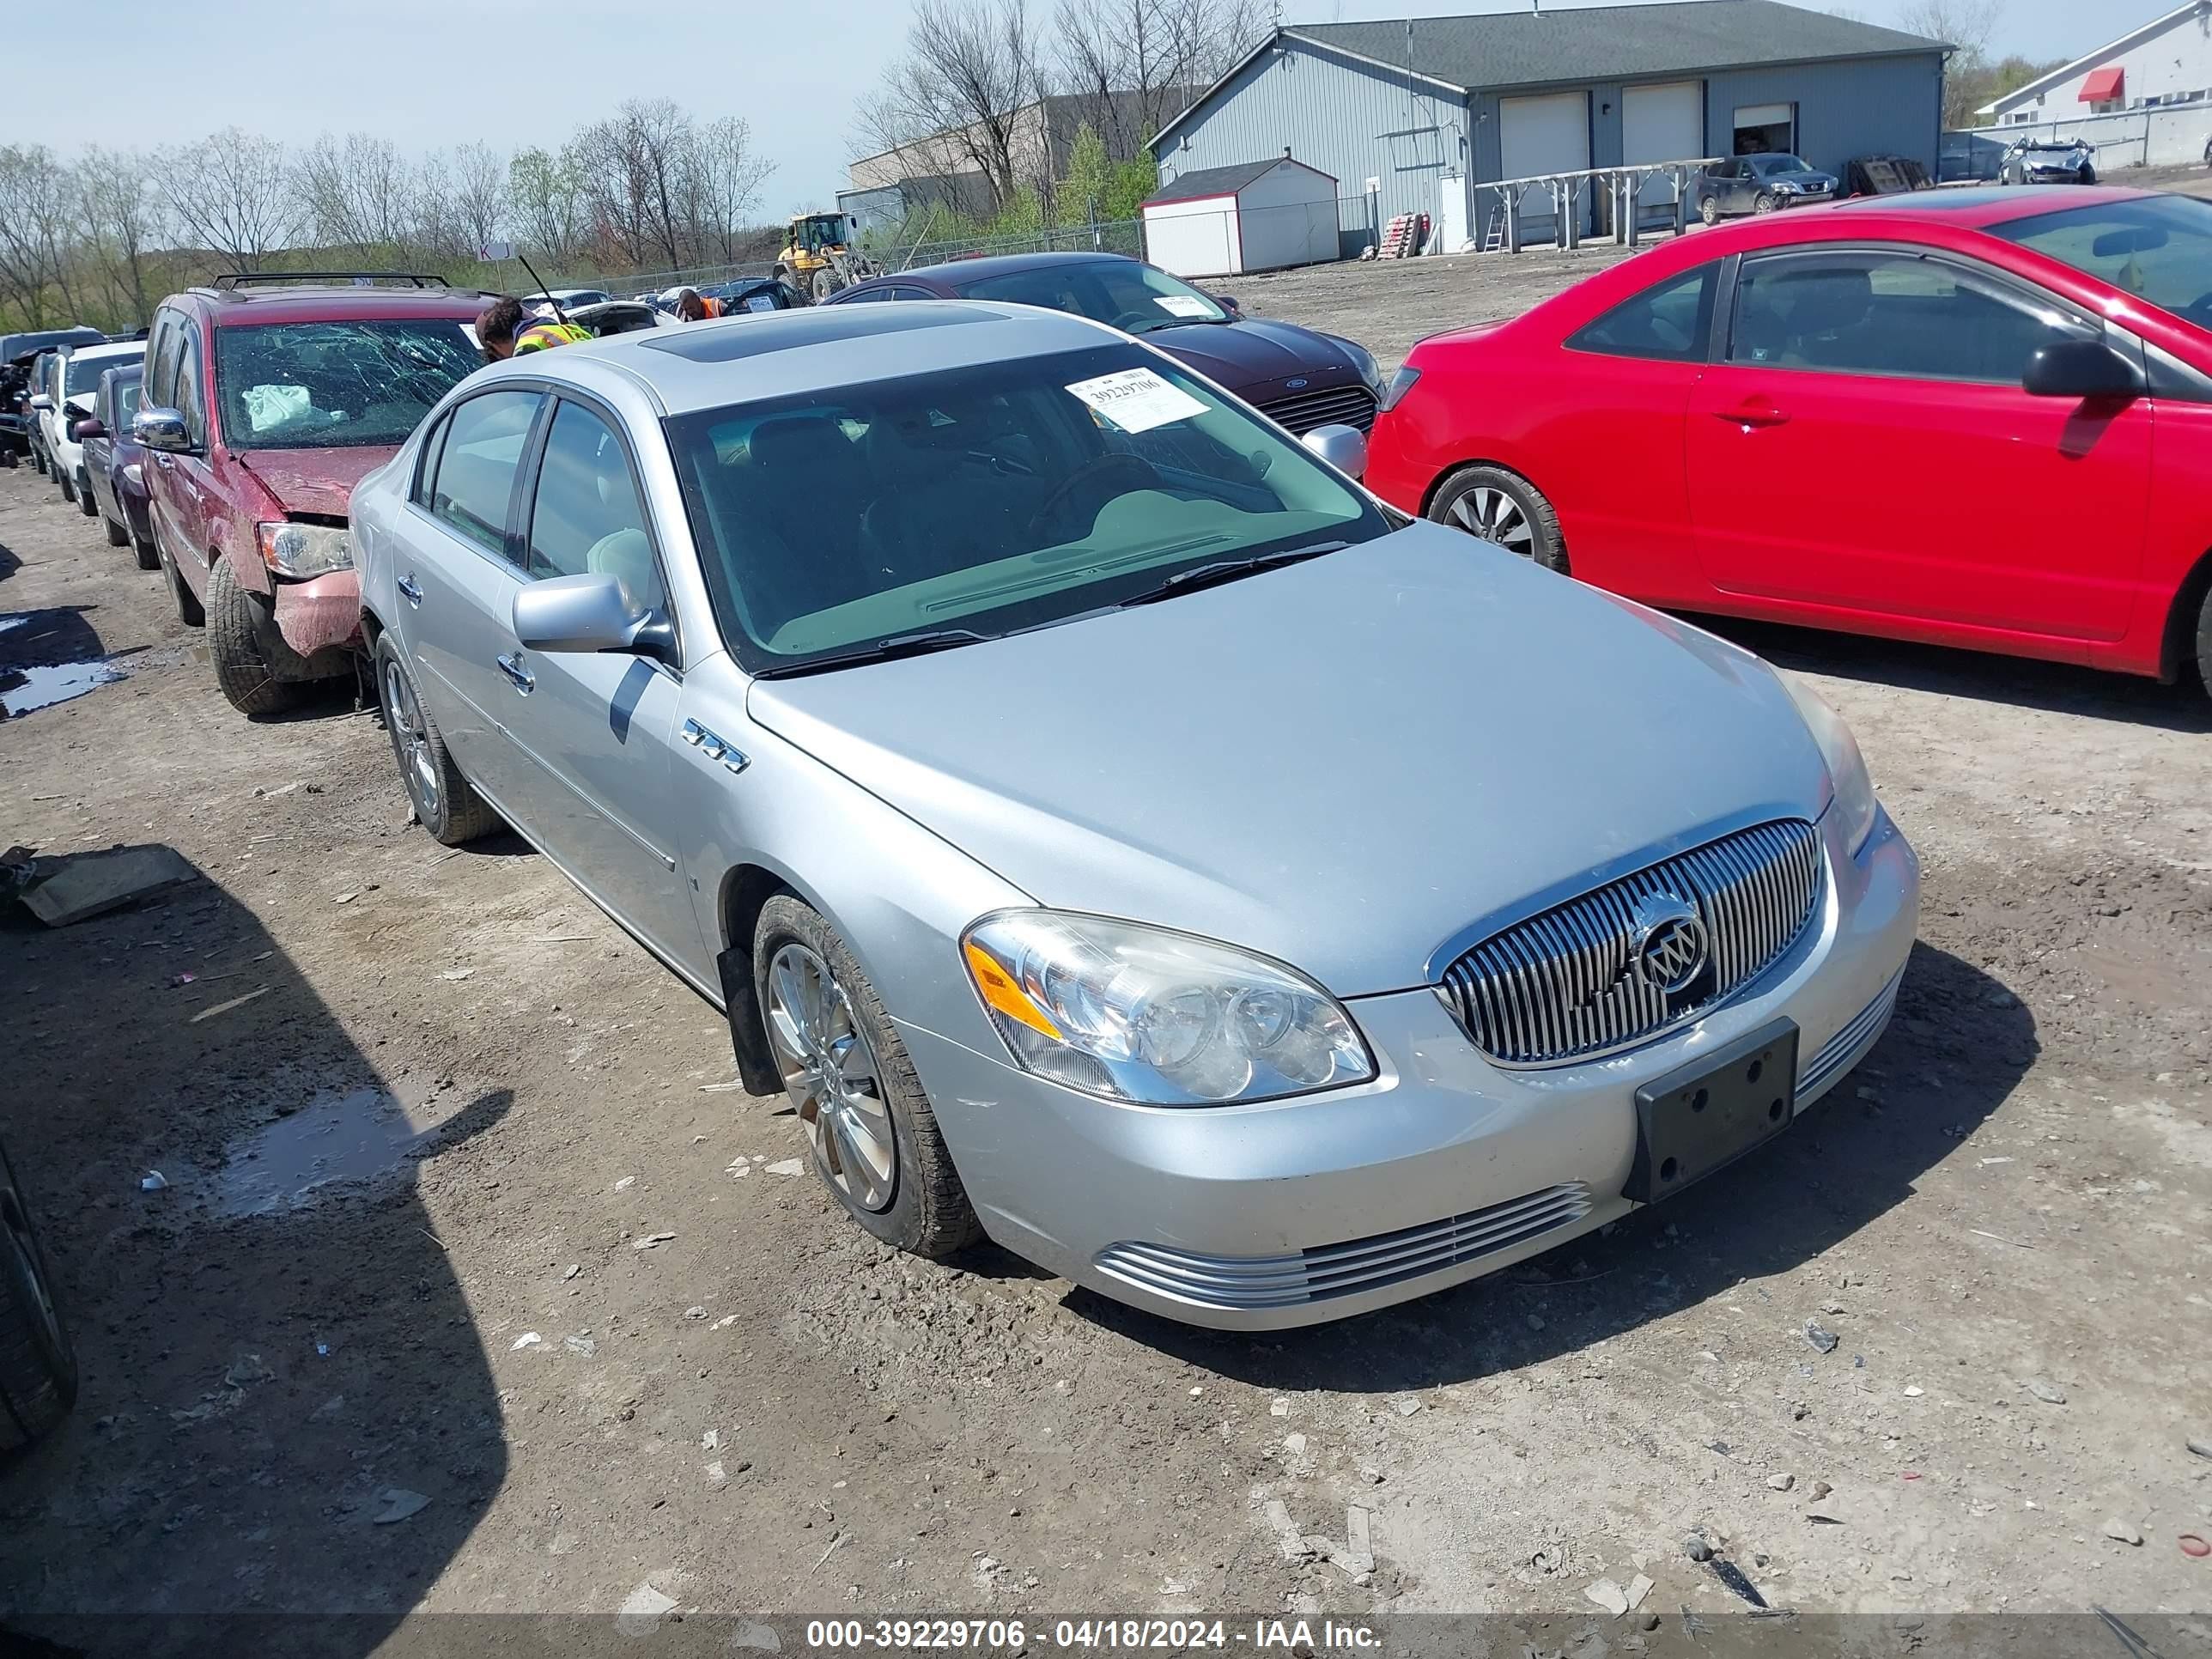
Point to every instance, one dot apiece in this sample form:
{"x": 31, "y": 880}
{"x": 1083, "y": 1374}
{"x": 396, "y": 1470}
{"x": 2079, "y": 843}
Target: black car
{"x": 114, "y": 464}
{"x": 1299, "y": 377}
{"x": 1760, "y": 184}
{"x": 19, "y": 353}
{"x": 754, "y": 294}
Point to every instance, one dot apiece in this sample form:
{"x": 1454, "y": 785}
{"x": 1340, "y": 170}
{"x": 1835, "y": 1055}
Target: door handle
{"x": 1750, "y": 415}
{"x": 523, "y": 679}
{"x": 409, "y": 591}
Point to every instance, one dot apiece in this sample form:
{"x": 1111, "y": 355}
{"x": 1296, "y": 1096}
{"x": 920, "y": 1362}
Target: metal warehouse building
{"x": 1412, "y": 115}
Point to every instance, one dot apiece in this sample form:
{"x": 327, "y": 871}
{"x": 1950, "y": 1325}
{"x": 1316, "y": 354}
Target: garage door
{"x": 1549, "y": 134}
{"x": 1661, "y": 123}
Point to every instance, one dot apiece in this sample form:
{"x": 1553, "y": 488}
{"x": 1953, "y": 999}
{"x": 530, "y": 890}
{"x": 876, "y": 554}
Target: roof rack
{"x": 237, "y": 279}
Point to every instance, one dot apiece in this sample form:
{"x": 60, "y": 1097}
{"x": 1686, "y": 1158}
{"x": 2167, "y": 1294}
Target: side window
{"x": 1669, "y": 321}
{"x": 191, "y": 400}
{"x": 586, "y": 516}
{"x": 870, "y": 297}
{"x": 158, "y": 357}
{"x": 1890, "y": 314}
{"x": 482, "y": 451}
{"x": 426, "y": 463}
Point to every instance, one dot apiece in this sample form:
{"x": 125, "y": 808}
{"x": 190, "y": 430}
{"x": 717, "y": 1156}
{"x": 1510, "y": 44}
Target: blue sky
{"x": 430, "y": 73}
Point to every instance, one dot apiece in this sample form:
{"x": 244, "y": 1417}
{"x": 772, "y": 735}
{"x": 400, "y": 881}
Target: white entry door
{"x": 1546, "y": 134}
{"x": 1451, "y": 213}
{"x": 1661, "y": 123}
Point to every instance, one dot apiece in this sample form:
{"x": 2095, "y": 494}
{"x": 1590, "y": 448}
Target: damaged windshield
{"x": 322, "y": 385}
{"x": 952, "y": 506}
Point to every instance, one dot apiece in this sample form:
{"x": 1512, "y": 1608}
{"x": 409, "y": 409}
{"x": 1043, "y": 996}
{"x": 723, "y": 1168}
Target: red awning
{"x": 2103, "y": 86}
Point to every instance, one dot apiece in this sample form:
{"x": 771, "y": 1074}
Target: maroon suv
{"x": 266, "y": 399}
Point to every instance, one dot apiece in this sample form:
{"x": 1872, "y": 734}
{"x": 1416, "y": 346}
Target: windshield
{"x": 1004, "y": 496}
{"x": 1121, "y": 292}
{"x": 320, "y": 386}
{"x": 2158, "y": 248}
{"x": 1767, "y": 166}
{"x": 83, "y": 374}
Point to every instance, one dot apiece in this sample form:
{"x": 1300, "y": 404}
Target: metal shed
{"x": 1257, "y": 215}
{"x": 1422, "y": 113}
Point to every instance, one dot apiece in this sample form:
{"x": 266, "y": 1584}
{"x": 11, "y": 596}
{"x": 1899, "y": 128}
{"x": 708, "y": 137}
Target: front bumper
{"x": 307, "y": 633}
{"x": 1444, "y": 1168}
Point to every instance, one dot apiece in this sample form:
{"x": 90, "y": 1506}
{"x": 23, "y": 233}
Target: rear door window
{"x": 476, "y": 468}
{"x": 1670, "y": 321}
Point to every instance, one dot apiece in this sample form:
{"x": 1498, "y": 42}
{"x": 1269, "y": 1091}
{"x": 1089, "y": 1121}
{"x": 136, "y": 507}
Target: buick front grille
{"x": 1333, "y": 1270}
{"x": 1343, "y": 405}
{"x": 1641, "y": 954}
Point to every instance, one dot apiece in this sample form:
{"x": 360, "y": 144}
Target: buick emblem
{"x": 1295, "y": 386}
{"x": 1670, "y": 948}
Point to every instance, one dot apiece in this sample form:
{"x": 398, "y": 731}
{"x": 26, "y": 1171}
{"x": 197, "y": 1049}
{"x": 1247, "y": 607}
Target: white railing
{"x": 1501, "y": 205}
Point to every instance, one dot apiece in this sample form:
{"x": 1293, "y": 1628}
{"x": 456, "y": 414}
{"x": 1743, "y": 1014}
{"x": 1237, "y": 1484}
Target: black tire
{"x": 445, "y": 804}
{"x": 61, "y": 482}
{"x": 38, "y": 455}
{"x": 189, "y": 611}
{"x": 1765, "y": 202}
{"x": 1468, "y": 501}
{"x": 928, "y": 1212}
{"x": 2205, "y": 643}
{"x": 118, "y": 535}
{"x": 85, "y": 503}
{"x": 244, "y": 674}
{"x": 149, "y": 556}
{"x": 2088, "y": 175}
{"x": 1708, "y": 209}
{"x": 38, "y": 1362}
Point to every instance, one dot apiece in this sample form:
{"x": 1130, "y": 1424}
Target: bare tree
{"x": 122, "y": 223}
{"x": 957, "y": 98}
{"x": 231, "y": 193}
{"x": 633, "y": 167}
{"x": 730, "y": 175}
{"x": 359, "y": 194}
{"x": 38, "y": 212}
{"x": 1967, "y": 27}
{"x": 479, "y": 200}
{"x": 1132, "y": 65}
{"x": 549, "y": 203}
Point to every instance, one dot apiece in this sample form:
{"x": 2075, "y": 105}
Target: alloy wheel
{"x": 830, "y": 1073}
{"x": 416, "y": 763}
{"x": 1494, "y": 516}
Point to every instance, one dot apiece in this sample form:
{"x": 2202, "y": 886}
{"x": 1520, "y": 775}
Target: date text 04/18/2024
{"x": 1078, "y": 1635}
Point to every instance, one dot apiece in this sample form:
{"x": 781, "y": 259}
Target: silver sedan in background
{"x": 1114, "y": 830}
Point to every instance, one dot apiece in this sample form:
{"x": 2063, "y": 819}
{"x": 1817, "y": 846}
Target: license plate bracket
{"x": 1694, "y": 1120}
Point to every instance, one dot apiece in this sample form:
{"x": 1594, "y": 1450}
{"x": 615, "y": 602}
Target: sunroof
{"x": 757, "y": 337}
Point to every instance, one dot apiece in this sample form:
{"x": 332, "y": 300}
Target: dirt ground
{"x": 579, "y": 1310}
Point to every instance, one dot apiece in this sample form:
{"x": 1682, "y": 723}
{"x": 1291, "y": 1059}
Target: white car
{"x": 76, "y": 382}
{"x": 569, "y": 298}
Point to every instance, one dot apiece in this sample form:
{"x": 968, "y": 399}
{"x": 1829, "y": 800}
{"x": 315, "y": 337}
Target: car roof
{"x": 93, "y": 354}
{"x": 775, "y": 354}
{"x": 1978, "y": 207}
{"x": 308, "y": 303}
{"x": 970, "y": 270}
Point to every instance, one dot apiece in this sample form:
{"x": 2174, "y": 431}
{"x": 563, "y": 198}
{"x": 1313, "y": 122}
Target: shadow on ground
{"x": 1841, "y": 1165}
{"x": 268, "y": 1383}
{"x": 2057, "y": 687}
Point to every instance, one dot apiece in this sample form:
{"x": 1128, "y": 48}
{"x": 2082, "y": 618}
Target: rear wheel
{"x": 444, "y": 803}
{"x": 244, "y": 675}
{"x": 189, "y": 611}
{"x": 1494, "y": 505}
{"x": 38, "y": 455}
{"x": 868, "y": 1123}
{"x": 61, "y": 482}
{"x": 1708, "y": 209}
{"x": 2205, "y": 643}
{"x": 38, "y": 1363}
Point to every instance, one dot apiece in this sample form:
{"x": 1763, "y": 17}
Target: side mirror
{"x": 162, "y": 429}
{"x": 1228, "y": 303}
{"x": 1343, "y": 447}
{"x": 42, "y": 402}
{"x": 80, "y": 430}
{"x": 590, "y": 612}
{"x": 2081, "y": 368}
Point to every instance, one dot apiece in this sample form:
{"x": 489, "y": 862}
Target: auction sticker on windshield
{"x": 1136, "y": 400}
{"x": 1184, "y": 305}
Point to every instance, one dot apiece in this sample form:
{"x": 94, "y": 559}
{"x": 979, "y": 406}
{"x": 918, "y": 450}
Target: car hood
{"x": 1257, "y": 348}
{"x": 1344, "y": 764}
{"x": 316, "y": 480}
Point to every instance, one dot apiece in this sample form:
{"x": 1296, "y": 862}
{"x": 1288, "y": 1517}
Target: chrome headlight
{"x": 1156, "y": 1018}
{"x": 136, "y": 475}
{"x": 304, "y": 550}
{"x": 1847, "y": 774}
{"x": 1783, "y": 187}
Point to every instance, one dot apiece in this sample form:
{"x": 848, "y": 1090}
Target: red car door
{"x": 1864, "y": 455}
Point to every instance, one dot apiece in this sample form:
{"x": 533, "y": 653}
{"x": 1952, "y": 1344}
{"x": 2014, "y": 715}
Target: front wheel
{"x": 2088, "y": 175}
{"x": 444, "y": 803}
{"x": 62, "y": 482}
{"x": 240, "y": 669}
{"x": 1765, "y": 202}
{"x": 1494, "y": 505}
{"x": 118, "y": 535}
{"x": 868, "y": 1123}
{"x": 85, "y": 504}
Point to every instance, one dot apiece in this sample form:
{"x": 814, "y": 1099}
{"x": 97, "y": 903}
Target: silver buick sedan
{"x": 1116, "y": 831}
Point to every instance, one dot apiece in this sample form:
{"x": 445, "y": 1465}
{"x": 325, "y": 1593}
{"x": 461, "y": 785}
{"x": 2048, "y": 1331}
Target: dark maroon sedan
{"x": 116, "y": 465}
{"x": 1297, "y": 377}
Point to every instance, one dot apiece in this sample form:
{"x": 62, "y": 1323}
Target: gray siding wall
{"x": 1349, "y": 119}
{"x": 1860, "y": 107}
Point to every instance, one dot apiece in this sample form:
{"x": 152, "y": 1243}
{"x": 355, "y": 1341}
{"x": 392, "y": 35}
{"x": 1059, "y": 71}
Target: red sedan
{"x": 1977, "y": 417}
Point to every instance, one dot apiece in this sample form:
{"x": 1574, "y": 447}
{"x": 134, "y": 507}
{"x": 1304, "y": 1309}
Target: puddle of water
{"x": 25, "y": 689}
{"x": 339, "y": 1137}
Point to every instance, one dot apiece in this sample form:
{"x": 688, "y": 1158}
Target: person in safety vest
{"x": 692, "y": 307}
{"x": 504, "y": 330}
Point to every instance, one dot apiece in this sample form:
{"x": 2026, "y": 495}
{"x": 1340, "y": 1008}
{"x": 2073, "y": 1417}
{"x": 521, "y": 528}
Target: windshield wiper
{"x": 904, "y": 644}
{"x": 1188, "y": 322}
{"x": 1228, "y": 570}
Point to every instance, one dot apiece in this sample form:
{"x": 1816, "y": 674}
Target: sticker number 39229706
{"x": 1137, "y": 399}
